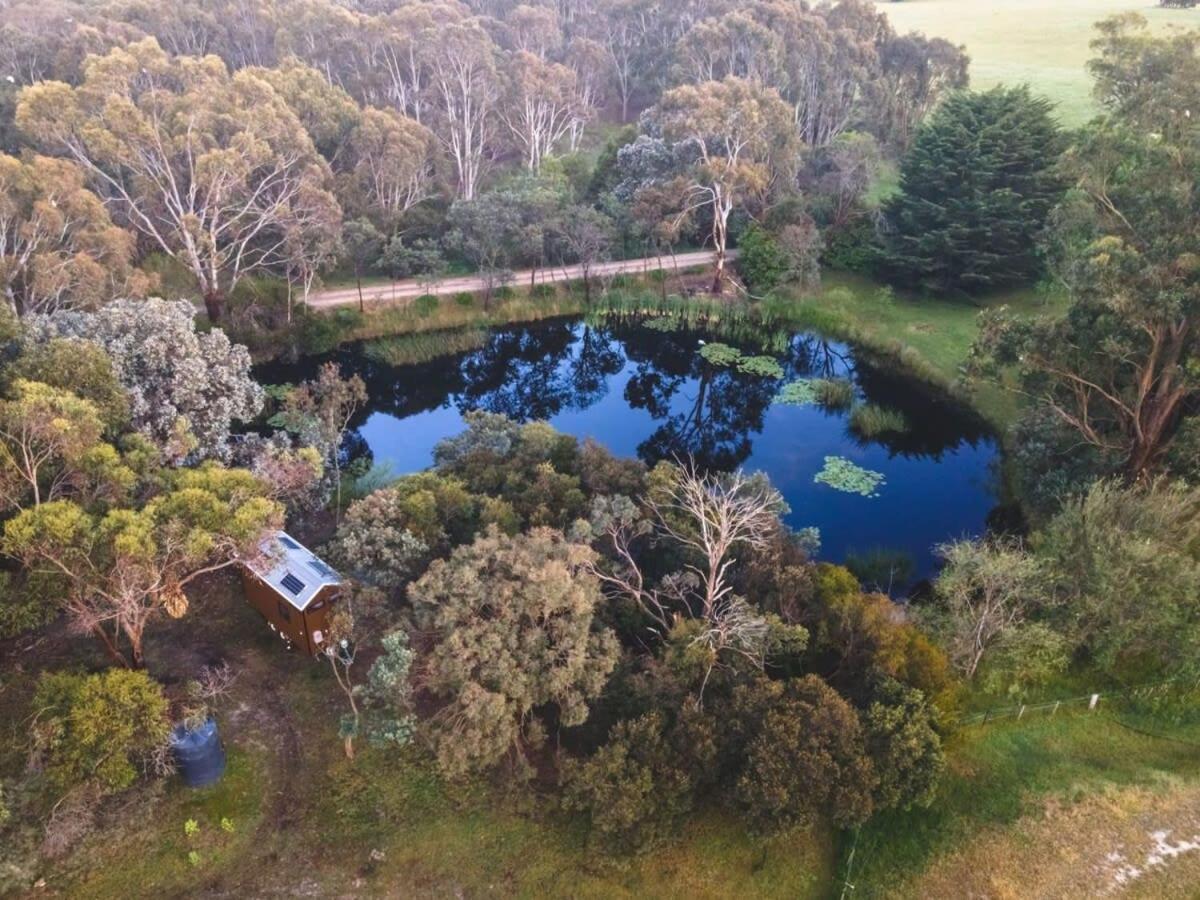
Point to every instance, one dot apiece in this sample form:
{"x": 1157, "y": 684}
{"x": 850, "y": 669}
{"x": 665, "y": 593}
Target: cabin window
{"x": 316, "y": 604}
{"x": 285, "y": 611}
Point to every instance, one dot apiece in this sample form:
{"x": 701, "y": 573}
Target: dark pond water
{"x": 648, "y": 393}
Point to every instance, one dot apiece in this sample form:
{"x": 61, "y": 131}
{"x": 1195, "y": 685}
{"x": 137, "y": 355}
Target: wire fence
{"x": 1086, "y": 702}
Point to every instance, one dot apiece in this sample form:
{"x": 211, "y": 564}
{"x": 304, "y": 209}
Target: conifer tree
{"x": 975, "y": 191}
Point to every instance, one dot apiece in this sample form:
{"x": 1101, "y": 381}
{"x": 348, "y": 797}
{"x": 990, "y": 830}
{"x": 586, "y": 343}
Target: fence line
{"x": 1090, "y": 701}
{"x": 847, "y": 882}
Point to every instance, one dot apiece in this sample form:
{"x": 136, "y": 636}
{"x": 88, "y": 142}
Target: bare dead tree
{"x": 709, "y": 517}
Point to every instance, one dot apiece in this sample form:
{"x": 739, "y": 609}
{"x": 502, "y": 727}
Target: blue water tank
{"x": 199, "y": 754}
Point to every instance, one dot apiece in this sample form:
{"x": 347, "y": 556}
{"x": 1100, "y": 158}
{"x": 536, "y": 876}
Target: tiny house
{"x": 293, "y": 590}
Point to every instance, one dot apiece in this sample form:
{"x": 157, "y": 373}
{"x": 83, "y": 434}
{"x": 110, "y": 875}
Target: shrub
{"x": 869, "y": 421}
{"x": 544, "y": 292}
{"x": 318, "y": 333}
{"x": 904, "y": 747}
{"x": 633, "y": 790}
{"x": 762, "y": 263}
{"x": 505, "y": 292}
{"x": 464, "y": 299}
{"x": 95, "y": 729}
{"x": 425, "y": 305}
{"x": 515, "y": 618}
{"x": 852, "y": 247}
{"x": 881, "y": 568}
{"x": 805, "y": 757}
{"x": 391, "y": 535}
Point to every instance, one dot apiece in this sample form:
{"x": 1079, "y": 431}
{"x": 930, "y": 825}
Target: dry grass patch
{"x": 1134, "y": 841}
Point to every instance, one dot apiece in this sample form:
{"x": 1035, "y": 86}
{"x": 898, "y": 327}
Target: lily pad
{"x": 843, "y": 475}
{"x": 717, "y": 354}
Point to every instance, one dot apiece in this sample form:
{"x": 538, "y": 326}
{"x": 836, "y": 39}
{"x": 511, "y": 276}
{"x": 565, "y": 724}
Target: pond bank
{"x": 927, "y": 338}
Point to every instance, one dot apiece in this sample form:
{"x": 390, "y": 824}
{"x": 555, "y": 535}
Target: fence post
{"x": 1021, "y": 712}
{"x": 1094, "y": 701}
{"x": 1057, "y": 704}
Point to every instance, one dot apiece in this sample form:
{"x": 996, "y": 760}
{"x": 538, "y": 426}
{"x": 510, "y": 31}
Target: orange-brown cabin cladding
{"x": 294, "y": 591}
{"x": 295, "y": 625}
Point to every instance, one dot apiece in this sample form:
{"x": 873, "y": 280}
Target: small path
{"x": 410, "y": 288}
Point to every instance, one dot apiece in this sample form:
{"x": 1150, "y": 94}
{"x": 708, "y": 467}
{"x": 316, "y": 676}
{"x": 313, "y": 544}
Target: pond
{"x": 646, "y": 390}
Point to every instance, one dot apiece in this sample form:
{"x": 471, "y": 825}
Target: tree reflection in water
{"x": 648, "y": 391}
{"x": 535, "y": 374}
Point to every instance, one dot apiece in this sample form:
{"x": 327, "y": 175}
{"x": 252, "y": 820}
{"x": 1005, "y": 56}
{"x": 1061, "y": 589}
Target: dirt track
{"x": 382, "y": 294}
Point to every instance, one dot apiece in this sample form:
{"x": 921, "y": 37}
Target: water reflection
{"x": 648, "y": 392}
{"x": 528, "y": 375}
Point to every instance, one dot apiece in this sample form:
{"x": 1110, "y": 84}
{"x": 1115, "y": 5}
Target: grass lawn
{"x": 1042, "y": 42}
{"x": 1037, "y": 808}
{"x": 930, "y": 335}
{"x": 480, "y": 844}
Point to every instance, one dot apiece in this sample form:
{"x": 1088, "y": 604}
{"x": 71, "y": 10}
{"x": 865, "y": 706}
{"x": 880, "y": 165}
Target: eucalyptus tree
{"x": 209, "y": 168}
{"x": 118, "y": 569}
{"x": 915, "y": 74}
{"x": 326, "y": 111}
{"x": 535, "y": 28}
{"x": 398, "y": 45}
{"x": 590, "y": 63}
{"x": 59, "y": 249}
{"x": 736, "y": 45}
{"x": 466, "y": 87}
{"x": 1119, "y": 370}
{"x": 48, "y": 439}
{"x": 741, "y": 134}
{"x": 540, "y": 105}
{"x": 390, "y": 160}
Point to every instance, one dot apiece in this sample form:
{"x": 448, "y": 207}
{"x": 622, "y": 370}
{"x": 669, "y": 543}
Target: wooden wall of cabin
{"x": 287, "y": 620}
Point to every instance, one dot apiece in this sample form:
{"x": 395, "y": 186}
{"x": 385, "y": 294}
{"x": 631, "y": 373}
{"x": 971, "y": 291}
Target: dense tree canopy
{"x": 58, "y": 247}
{"x": 212, "y": 168}
{"x": 976, "y": 189}
{"x": 1118, "y": 371}
{"x": 186, "y": 389}
{"x": 513, "y": 620}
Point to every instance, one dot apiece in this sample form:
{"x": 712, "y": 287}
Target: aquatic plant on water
{"x": 841, "y": 474}
{"x": 797, "y": 393}
{"x": 869, "y": 420}
{"x": 662, "y": 324}
{"x": 761, "y": 366}
{"x": 834, "y": 393}
{"x": 412, "y": 349}
{"x": 717, "y": 354}
{"x": 830, "y": 393}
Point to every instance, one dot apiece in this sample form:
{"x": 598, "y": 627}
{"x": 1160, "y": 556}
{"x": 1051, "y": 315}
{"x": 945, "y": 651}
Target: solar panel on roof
{"x": 288, "y": 542}
{"x": 292, "y": 583}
